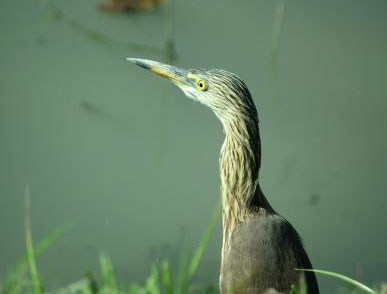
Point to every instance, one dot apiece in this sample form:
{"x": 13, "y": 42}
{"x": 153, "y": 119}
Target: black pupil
{"x": 201, "y": 85}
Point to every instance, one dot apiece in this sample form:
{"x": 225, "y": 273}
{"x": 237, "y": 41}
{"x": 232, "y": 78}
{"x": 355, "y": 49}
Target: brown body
{"x": 263, "y": 252}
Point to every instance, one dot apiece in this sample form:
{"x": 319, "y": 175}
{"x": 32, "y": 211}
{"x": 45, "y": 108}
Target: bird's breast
{"x": 260, "y": 255}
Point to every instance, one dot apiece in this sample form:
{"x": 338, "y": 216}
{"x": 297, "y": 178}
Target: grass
{"x": 38, "y": 287}
{"x": 25, "y": 277}
{"x": 346, "y": 279}
{"x": 161, "y": 279}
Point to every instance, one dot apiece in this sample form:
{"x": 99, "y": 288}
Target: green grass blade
{"x": 16, "y": 278}
{"x": 152, "y": 285}
{"x": 107, "y": 273}
{"x": 303, "y": 286}
{"x": 166, "y": 276}
{"x": 136, "y": 288}
{"x": 43, "y": 245}
{"x": 353, "y": 282}
{"x": 195, "y": 261}
{"x": 50, "y": 239}
{"x": 38, "y": 288}
{"x": 182, "y": 270}
{"x": 383, "y": 288}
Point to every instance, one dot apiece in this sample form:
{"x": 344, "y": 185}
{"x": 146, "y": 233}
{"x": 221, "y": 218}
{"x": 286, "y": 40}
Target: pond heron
{"x": 261, "y": 249}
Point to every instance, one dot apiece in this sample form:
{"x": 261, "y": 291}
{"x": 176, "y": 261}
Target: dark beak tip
{"x": 138, "y": 62}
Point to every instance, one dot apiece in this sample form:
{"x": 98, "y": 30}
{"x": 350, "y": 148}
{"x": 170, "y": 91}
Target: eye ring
{"x": 201, "y": 85}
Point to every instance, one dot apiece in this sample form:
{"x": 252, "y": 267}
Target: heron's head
{"x": 222, "y": 91}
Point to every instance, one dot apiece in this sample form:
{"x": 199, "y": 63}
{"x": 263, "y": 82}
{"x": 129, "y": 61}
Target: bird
{"x": 260, "y": 248}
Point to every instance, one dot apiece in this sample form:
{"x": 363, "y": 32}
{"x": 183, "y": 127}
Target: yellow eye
{"x": 201, "y": 85}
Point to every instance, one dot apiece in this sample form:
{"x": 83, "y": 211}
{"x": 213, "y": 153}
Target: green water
{"x": 132, "y": 164}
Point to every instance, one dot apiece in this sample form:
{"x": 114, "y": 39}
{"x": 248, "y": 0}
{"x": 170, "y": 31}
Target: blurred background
{"x": 132, "y": 164}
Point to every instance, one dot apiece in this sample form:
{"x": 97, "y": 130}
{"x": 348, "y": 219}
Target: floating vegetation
{"x": 167, "y": 51}
{"x": 129, "y": 5}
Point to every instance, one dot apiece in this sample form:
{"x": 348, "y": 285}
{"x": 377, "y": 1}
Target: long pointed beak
{"x": 170, "y": 72}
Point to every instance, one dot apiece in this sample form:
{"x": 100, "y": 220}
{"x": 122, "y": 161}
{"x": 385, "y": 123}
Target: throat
{"x": 240, "y": 161}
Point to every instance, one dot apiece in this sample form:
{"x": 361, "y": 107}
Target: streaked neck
{"x": 240, "y": 161}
